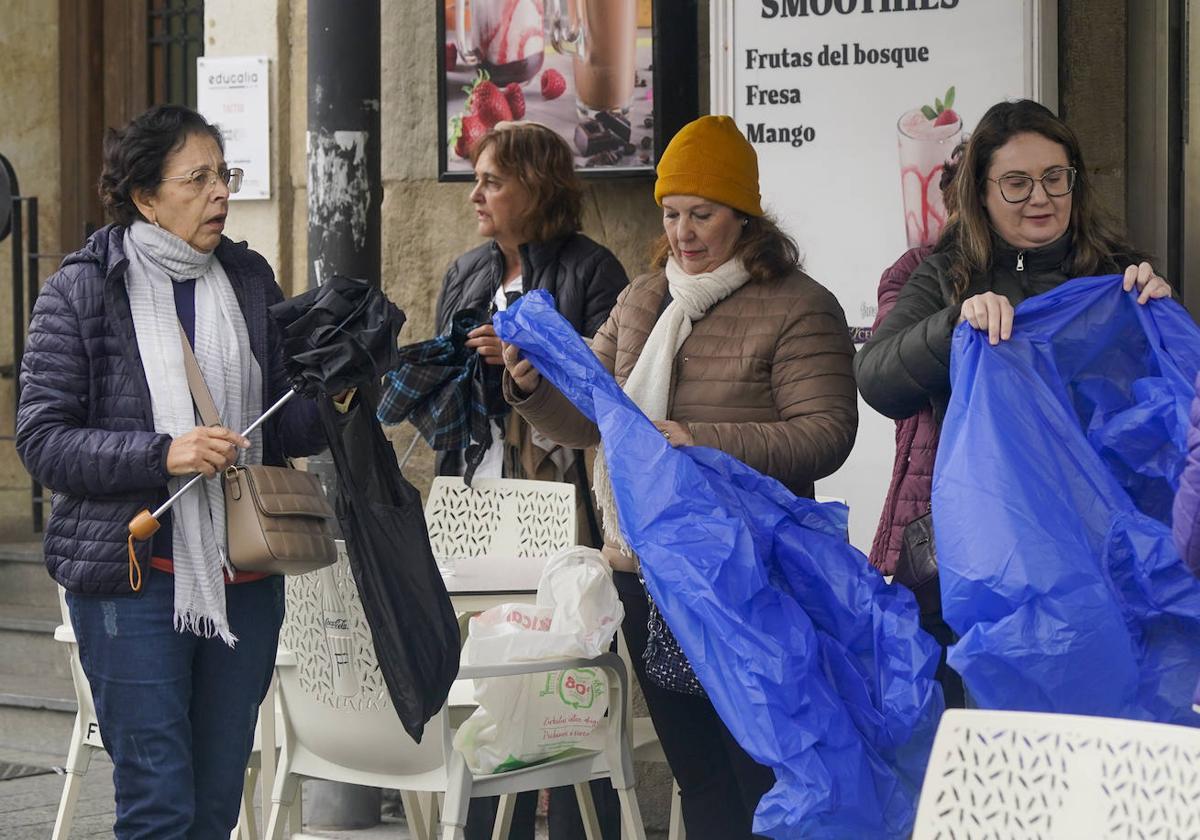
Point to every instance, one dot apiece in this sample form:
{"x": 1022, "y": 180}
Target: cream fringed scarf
{"x": 649, "y": 383}
{"x": 222, "y": 346}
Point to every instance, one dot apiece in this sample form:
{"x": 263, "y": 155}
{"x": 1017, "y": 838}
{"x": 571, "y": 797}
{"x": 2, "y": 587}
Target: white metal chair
{"x": 345, "y": 729}
{"x": 1059, "y": 777}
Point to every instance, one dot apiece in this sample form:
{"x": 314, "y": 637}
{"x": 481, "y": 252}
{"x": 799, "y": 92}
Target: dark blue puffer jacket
{"x": 85, "y": 426}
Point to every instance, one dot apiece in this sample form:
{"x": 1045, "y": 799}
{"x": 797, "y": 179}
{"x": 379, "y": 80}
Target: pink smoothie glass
{"x": 505, "y": 39}
{"x": 924, "y": 150}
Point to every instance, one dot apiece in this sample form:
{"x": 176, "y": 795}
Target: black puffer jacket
{"x": 906, "y": 364}
{"x": 583, "y": 277}
{"x": 85, "y": 426}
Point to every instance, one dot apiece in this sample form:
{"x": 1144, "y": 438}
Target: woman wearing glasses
{"x": 1026, "y": 222}
{"x": 178, "y": 650}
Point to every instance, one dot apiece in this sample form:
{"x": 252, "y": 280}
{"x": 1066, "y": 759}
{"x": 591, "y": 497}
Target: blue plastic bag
{"x": 815, "y": 664}
{"x": 1058, "y": 461}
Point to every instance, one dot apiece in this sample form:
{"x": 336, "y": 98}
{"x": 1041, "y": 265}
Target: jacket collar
{"x": 1051, "y": 257}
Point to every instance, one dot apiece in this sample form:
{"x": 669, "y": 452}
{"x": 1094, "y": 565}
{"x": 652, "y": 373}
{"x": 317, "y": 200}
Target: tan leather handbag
{"x": 278, "y": 519}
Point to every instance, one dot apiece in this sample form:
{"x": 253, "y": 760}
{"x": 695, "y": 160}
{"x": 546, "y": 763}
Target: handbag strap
{"x": 201, "y": 396}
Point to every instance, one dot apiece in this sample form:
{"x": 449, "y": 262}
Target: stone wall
{"x": 29, "y": 138}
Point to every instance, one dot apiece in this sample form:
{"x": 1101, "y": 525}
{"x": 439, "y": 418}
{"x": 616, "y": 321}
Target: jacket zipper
{"x": 1020, "y": 260}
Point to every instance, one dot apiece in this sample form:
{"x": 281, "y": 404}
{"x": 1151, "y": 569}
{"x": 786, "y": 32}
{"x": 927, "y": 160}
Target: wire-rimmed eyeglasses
{"x": 1017, "y": 188}
{"x": 205, "y": 178}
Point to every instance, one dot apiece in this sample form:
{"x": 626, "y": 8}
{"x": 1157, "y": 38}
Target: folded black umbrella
{"x": 342, "y": 335}
{"x": 403, "y": 596}
{"x": 339, "y": 335}
{"x": 447, "y": 392}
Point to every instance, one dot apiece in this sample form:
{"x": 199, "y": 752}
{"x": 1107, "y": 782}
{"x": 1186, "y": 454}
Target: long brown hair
{"x": 543, "y": 163}
{"x": 967, "y": 237}
{"x": 764, "y": 249}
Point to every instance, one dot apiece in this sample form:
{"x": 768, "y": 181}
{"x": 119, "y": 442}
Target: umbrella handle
{"x": 146, "y": 524}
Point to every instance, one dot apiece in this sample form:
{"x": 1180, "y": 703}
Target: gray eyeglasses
{"x": 205, "y": 178}
{"x": 1017, "y": 188}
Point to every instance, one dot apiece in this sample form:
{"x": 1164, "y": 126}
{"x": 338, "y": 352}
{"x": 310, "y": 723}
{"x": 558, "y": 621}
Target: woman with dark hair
{"x": 726, "y": 343}
{"x": 177, "y": 647}
{"x": 1024, "y": 220}
{"x": 528, "y": 203}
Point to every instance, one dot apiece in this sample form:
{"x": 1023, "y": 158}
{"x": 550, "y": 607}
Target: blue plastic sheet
{"x": 818, "y": 667}
{"x": 1058, "y": 461}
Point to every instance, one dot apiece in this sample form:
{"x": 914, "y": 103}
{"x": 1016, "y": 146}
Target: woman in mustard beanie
{"x": 726, "y": 343}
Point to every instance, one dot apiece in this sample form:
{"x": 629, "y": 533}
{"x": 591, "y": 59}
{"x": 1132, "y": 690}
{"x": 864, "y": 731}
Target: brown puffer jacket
{"x": 765, "y": 376}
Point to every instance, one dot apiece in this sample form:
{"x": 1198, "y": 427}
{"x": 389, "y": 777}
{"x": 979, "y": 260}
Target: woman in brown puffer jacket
{"x": 726, "y": 344}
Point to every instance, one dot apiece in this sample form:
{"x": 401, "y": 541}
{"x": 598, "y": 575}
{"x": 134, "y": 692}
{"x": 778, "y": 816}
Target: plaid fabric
{"x": 445, "y": 391}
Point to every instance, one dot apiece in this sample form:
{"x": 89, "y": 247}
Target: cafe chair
{"x": 339, "y": 724}
{"x": 503, "y": 517}
{"x": 1059, "y": 777}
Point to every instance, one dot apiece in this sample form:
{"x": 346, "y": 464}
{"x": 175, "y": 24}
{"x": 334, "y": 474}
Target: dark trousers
{"x": 719, "y": 784}
{"x": 952, "y": 684}
{"x": 177, "y": 712}
{"x": 563, "y": 818}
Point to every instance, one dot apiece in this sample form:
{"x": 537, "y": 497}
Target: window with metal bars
{"x": 175, "y": 39}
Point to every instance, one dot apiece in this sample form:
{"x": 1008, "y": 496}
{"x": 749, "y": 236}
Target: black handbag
{"x": 917, "y": 568}
{"x": 666, "y": 664}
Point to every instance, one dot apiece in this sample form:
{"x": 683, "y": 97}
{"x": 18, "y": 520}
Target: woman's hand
{"x": 523, "y": 373}
{"x": 676, "y": 433}
{"x": 483, "y": 338}
{"x": 205, "y": 449}
{"x": 1148, "y": 283}
{"x": 990, "y": 313}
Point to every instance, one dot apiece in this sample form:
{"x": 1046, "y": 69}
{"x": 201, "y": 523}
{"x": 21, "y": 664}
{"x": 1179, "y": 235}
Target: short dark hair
{"x": 134, "y": 156}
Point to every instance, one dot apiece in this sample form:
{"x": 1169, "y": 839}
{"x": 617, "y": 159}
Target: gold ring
{"x": 667, "y": 435}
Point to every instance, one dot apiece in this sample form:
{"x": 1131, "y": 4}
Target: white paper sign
{"x": 234, "y": 94}
{"x": 832, "y": 95}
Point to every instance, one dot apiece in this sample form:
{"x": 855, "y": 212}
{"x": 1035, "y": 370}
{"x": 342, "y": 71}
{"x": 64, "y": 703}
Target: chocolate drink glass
{"x": 505, "y": 39}
{"x": 601, "y": 36}
{"x": 924, "y": 150}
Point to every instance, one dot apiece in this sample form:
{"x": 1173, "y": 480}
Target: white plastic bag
{"x": 528, "y": 719}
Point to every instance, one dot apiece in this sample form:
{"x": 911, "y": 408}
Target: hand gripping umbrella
{"x": 343, "y": 334}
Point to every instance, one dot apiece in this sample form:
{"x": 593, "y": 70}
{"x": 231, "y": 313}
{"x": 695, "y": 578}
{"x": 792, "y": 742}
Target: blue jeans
{"x": 177, "y": 712}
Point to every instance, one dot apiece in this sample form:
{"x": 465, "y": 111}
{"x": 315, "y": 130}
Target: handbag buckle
{"x": 234, "y": 481}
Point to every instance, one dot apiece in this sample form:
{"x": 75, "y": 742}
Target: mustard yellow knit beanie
{"x": 710, "y": 158}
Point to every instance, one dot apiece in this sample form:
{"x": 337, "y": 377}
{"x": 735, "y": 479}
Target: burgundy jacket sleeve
{"x": 895, "y": 277}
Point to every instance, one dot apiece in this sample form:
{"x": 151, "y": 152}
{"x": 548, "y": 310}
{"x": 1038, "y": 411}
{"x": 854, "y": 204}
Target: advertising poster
{"x": 583, "y": 68}
{"x": 234, "y": 95}
{"x": 853, "y": 106}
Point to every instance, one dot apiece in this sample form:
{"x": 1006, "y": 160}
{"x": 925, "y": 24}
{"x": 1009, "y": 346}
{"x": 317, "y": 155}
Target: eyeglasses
{"x": 1017, "y": 188}
{"x": 205, "y": 178}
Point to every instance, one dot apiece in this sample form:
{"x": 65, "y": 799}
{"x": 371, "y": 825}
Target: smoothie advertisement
{"x": 854, "y": 106}
{"x": 581, "y": 67}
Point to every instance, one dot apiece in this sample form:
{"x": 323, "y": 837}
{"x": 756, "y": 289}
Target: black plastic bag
{"x": 403, "y": 596}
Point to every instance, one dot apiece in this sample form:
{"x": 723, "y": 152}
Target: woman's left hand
{"x": 677, "y": 434}
{"x": 1148, "y": 283}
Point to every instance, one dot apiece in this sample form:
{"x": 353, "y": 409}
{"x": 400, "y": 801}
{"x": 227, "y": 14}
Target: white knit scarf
{"x": 222, "y": 348}
{"x": 649, "y": 383}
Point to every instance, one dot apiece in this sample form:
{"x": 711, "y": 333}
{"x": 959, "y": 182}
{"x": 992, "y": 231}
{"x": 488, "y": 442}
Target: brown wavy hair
{"x": 543, "y": 163}
{"x": 967, "y": 237}
{"x": 764, "y": 249}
